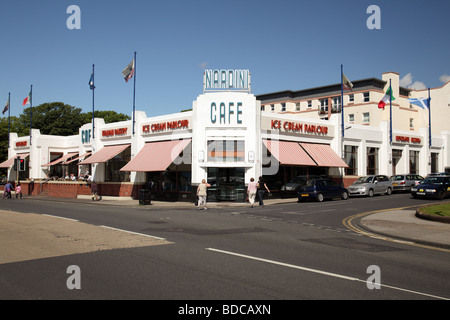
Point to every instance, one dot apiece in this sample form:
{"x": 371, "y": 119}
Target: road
{"x": 287, "y": 251}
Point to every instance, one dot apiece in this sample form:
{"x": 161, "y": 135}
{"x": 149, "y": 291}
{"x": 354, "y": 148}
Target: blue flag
{"x": 420, "y": 102}
{"x": 91, "y": 81}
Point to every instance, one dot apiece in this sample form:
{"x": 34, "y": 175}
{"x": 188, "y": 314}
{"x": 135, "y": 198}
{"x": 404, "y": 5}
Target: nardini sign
{"x": 226, "y": 80}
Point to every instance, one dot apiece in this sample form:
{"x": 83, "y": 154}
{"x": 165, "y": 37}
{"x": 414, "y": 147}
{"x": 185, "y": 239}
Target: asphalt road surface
{"x": 289, "y": 251}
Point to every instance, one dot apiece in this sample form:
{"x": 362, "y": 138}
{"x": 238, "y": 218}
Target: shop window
{"x": 351, "y": 159}
{"x": 226, "y": 151}
{"x": 414, "y": 162}
{"x": 113, "y": 166}
{"x": 434, "y": 162}
{"x": 372, "y": 161}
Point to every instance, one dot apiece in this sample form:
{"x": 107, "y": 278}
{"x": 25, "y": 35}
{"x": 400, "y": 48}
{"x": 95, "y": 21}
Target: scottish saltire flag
{"x": 91, "y": 81}
{"x": 424, "y": 103}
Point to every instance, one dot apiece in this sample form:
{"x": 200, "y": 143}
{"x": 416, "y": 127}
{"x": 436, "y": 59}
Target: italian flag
{"x": 387, "y": 97}
{"x": 27, "y": 99}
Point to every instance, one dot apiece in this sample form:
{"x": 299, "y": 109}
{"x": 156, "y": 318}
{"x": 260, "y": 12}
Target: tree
{"x": 108, "y": 116}
{"x": 55, "y": 118}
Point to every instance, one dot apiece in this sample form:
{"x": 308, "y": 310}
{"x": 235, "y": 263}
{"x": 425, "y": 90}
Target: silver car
{"x": 404, "y": 182}
{"x": 370, "y": 185}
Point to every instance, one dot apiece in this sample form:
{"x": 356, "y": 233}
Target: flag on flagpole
{"x": 128, "y": 72}
{"x": 27, "y": 99}
{"x": 91, "y": 81}
{"x": 6, "y": 107}
{"x": 387, "y": 97}
{"x": 420, "y": 102}
{"x": 346, "y": 83}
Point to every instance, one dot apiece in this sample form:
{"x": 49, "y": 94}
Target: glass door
{"x": 227, "y": 184}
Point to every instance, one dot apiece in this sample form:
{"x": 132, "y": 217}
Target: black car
{"x": 320, "y": 189}
{"x": 433, "y": 187}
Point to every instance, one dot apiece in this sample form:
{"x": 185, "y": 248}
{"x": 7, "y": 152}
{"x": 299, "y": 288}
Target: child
{"x": 18, "y": 190}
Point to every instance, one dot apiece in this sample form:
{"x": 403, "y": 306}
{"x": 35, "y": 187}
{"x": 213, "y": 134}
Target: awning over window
{"x": 156, "y": 156}
{"x": 8, "y": 163}
{"x": 323, "y": 155}
{"x": 77, "y": 158}
{"x": 105, "y": 154}
{"x": 289, "y": 153}
{"x": 67, "y": 156}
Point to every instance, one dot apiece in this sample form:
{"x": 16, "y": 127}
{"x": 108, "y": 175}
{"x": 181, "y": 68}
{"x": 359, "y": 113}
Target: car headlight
{"x": 430, "y": 190}
{"x": 414, "y": 189}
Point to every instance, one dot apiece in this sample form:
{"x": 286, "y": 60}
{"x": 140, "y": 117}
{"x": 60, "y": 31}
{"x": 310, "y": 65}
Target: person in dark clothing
{"x": 262, "y": 187}
{"x": 94, "y": 191}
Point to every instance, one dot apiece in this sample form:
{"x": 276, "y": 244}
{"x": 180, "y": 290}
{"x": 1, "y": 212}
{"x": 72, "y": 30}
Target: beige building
{"x": 367, "y": 127}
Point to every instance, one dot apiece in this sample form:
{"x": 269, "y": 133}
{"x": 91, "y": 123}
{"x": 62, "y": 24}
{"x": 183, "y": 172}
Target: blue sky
{"x": 286, "y": 45}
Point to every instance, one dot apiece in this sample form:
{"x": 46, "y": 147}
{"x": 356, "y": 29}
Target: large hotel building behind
{"x": 231, "y": 136}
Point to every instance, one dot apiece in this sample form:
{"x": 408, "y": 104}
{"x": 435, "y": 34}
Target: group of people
{"x": 9, "y": 187}
{"x": 253, "y": 188}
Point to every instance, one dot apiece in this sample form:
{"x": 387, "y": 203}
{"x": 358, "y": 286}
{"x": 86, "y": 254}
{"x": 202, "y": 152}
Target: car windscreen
{"x": 397, "y": 178}
{"x": 364, "y": 180}
{"x": 434, "y": 180}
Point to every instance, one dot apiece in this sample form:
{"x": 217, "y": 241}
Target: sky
{"x": 286, "y": 45}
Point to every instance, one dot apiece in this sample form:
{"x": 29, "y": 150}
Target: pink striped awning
{"x": 323, "y": 155}
{"x": 156, "y": 156}
{"x": 8, "y": 163}
{"x": 289, "y": 153}
{"x": 67, "y": 156}
{"x": 105, "y": 154}
{"x": 77, "y": 158}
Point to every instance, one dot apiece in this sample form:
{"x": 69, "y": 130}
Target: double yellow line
{"x": 349, "y": 224}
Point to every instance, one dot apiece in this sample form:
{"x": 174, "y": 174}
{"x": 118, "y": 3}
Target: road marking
{"x": 136, "y": 233}
{"x": 49, "y": 215}
{"x": 348, "y": 223}
{"x": 331, "y": 274}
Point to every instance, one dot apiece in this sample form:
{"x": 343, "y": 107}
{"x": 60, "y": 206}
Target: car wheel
{"x": 371, "y": 193}
{"x": 389, "y": 191}
{"x": 441, "y": 195}
{"x": 320, "y": 197}
{"x": 344, "y": 195}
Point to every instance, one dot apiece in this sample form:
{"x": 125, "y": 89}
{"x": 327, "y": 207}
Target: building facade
{"x": 231, "y": 136}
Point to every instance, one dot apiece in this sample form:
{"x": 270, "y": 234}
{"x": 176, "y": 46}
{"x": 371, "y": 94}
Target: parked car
{"x": 320, "y": 189}
{"x": 298, "y": 181}
{"x": 404, "y": 182}
{"x": 437, "y": 174}
{"x": 370, "y": 185}
{"x": 433, "y": 187}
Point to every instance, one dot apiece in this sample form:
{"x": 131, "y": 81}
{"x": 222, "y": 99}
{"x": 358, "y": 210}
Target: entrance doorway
{"x": 227, "y": 184}
{"x": 396, "y": 156}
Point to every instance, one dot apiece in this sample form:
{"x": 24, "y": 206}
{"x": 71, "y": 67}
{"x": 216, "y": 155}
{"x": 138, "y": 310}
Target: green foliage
{"x": 53, "y": 118}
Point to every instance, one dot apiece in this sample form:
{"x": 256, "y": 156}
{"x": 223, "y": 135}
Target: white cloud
{"x": 444, "y": 78}
{"x": 418, "y": 85}
{"x": 407, "y": 82}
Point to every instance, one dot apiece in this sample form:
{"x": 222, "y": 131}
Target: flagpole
{"x": 390, "y": 103}
{"x": 31, "y": 108}
{"x": 93, "y": 94}
{"x": 9, "y": 117}
{"x": 134, "y": 90}
{"x": 342, "y": 102}
{"x": 429, "y": 118}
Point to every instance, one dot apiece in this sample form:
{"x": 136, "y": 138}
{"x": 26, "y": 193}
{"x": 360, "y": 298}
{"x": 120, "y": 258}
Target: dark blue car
{"x": 433, "y": 187}
{"x": 320, "y": 189}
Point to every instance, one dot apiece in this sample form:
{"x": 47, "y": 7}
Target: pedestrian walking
{"x": 94, "y": 191}
{"x": 262, "y": 187}
{"x": 7, "y": 190}
{"x": 201, "y": 193}
{"x": 18, "y": 190}
{"x": 251, "y": 191}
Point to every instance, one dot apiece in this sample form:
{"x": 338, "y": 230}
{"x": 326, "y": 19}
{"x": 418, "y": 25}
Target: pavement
{"x": 402, "y": 224}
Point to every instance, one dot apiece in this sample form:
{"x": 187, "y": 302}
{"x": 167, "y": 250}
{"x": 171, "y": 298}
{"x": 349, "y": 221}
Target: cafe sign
{"x": 407, "y": 140}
